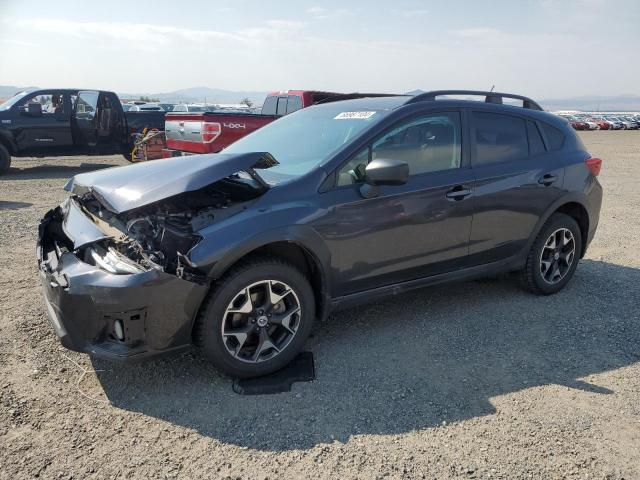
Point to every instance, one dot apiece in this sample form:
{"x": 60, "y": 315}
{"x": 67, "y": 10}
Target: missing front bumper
{"x": 156, "y": 310}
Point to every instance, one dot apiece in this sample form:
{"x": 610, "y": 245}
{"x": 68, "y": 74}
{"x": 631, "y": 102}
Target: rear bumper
{"x": 83, "y": 303}
{"x": 594, "y": 199}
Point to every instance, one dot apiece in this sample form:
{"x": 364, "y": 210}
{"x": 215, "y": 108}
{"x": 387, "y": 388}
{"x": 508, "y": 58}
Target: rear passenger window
{"x": 269, "y": 106}
{"x": 295, "y": 103}
{"x": 555, "y": 138}
{"x": 282, "y": 106}
{"x": 536, "y": 145}
{"x": 499, "y": 138}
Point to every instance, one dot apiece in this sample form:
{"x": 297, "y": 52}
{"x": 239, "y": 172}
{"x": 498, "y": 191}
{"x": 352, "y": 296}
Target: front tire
{"x": 257, "y": 318}
{"x": 5, "y": 160}
{"x": 554, "y": 256}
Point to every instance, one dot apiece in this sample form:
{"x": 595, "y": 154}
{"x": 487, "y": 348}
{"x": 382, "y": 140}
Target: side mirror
{"x": 383, "y": 171}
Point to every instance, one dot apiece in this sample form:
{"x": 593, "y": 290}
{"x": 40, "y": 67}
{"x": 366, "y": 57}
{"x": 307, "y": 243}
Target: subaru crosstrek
{"x": 330, "y": 206}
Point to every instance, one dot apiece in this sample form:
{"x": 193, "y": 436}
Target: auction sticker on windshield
{"x": 350, "y": 115}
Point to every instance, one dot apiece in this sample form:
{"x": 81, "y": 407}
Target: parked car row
{"x": 597, "y": 121}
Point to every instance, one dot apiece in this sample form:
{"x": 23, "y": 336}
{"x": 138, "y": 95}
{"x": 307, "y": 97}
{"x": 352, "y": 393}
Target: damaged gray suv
{"x": 334, "y": 205}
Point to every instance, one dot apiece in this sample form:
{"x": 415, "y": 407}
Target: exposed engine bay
{"x": 160, "y": 235}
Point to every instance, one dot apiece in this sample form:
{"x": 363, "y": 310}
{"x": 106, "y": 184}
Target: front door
{"x": 47, "y": 128}
{"x": 404, "y": 232}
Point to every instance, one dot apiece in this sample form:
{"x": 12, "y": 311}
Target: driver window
{"x": 429, "y": 143}
{"x": 51, "y": 103}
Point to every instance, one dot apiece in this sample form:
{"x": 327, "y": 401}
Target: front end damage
{"x": 119, "y": 284}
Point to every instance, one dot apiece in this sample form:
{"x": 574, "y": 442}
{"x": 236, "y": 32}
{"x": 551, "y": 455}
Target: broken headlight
{"x": 113, "y": 261}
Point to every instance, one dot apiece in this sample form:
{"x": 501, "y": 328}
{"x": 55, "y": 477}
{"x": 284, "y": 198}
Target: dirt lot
{"x": 468, "y": 380}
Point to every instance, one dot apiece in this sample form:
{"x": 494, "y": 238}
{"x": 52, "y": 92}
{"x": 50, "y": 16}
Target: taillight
{"x": 594, "y": 164}
{"x": 210, "y": 131}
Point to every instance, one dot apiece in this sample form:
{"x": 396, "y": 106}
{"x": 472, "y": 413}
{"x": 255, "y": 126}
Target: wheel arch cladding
{"x": 302, "y": 258}
{"x": 579, "y": 213}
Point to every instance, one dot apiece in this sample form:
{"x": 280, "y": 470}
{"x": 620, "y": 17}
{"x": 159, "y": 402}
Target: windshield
{"x": 12, "y": 101}
{"x": 302, "y": 140}
{"x": 201, "y": 108}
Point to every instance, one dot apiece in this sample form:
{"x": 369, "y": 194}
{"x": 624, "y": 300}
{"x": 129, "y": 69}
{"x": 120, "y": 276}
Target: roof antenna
{"x": 492, "y": 87}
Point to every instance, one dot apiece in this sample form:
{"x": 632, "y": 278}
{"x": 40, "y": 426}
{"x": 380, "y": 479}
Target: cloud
{"x": 159, "y": 35}
{"x": 478, "y": 32}
{"x": 321, "y": 13}
{"x": 410, "y": 13}
{"x": 289, "y": 25}
{"x": 139, "y": 32}
{"x": 274, "y": 30}
{"x": 18, "y": 43}
{"x": 510, "y": 57}
{"x": 484, "y": 37}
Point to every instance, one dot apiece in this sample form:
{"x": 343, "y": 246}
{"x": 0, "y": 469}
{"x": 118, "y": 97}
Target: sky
{"x": 541, "y": 48}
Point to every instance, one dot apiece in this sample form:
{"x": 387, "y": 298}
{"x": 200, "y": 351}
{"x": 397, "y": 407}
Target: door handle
{"x": 457, "y": 193}
{"x": 547, "y": 179}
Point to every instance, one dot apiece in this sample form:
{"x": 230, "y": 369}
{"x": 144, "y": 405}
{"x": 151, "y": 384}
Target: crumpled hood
{"x": 121, "y": 189}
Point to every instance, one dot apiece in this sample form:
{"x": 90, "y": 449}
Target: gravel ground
{"x": 478, "y": 380}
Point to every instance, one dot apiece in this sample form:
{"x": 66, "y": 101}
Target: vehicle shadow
{"x": 4, "y": 205}
{"x": 51, "y": 171}
{"x": 411, "y": 362}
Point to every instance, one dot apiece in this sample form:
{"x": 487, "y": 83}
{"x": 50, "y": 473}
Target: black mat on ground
{"x": 301, "y": 369}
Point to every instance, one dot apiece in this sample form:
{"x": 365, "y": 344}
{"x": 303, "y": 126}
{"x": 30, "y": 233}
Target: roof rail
{"x": 490, "y": 97}
{"x": 333, "y": 97}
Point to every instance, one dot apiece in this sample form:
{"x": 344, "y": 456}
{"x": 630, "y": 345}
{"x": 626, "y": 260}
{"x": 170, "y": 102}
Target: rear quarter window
{"x": 555, "y": 137}
{"x": 499, "y": 138}
{"x": 536, "y": 145}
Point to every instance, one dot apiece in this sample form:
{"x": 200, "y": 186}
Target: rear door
{"x": 50, "y": 132}
{"x": 516, "y": 181}
{"x": 110, "y": 123}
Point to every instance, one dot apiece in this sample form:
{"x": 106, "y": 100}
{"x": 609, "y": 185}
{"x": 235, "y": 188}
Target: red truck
{"x": 210, "y": 132}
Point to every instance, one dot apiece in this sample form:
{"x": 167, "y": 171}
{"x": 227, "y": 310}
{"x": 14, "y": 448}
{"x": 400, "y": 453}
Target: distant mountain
{"x": 202, "y": 94}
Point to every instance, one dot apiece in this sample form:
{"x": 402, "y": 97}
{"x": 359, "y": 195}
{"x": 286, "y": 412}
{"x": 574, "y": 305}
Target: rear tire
{"x": 249, "y": 335}
{"x": 554, "y": 256}
{"x": 5, "y": 160}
